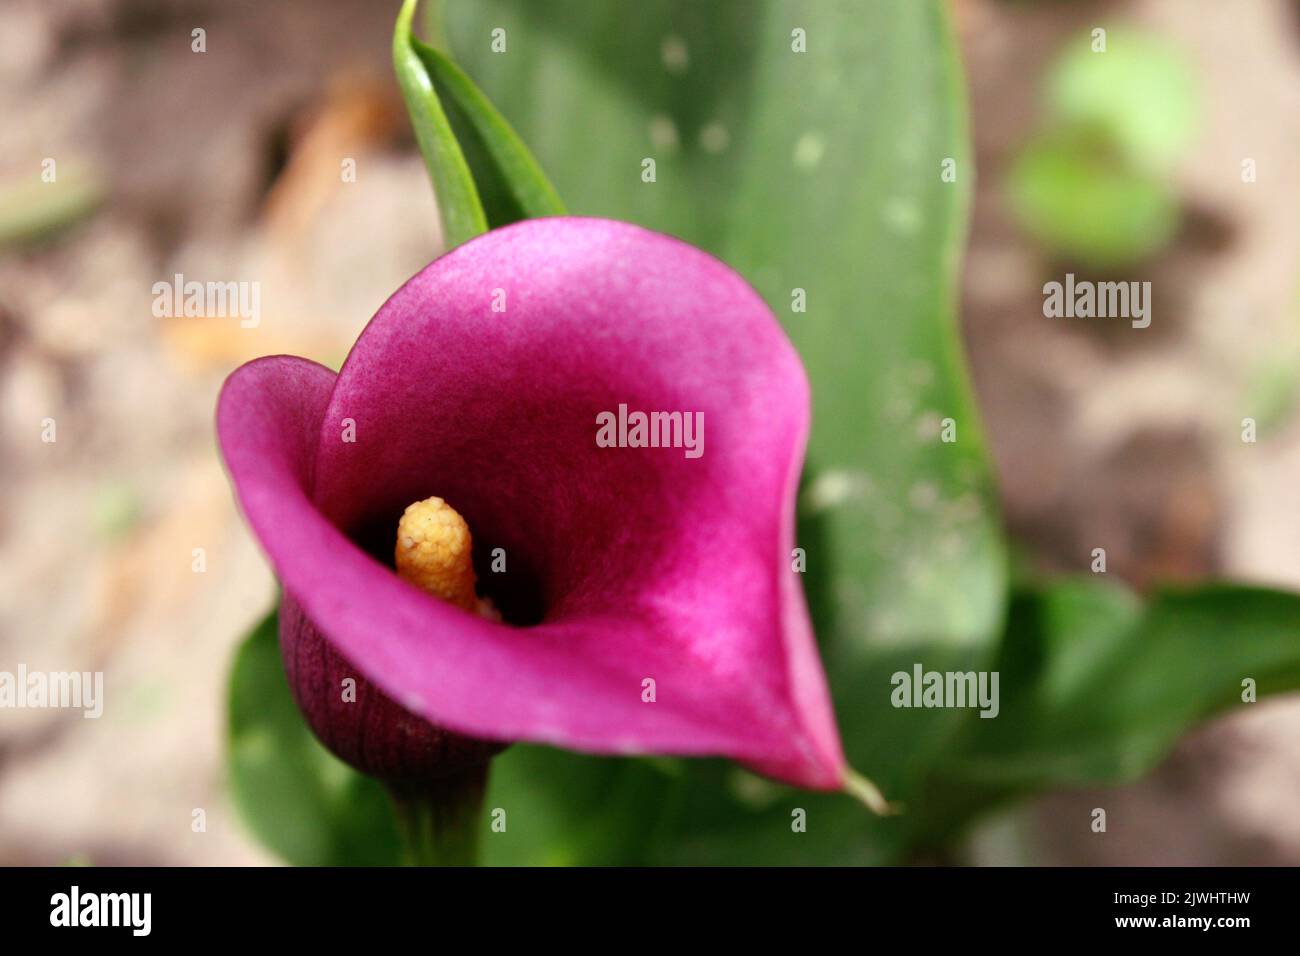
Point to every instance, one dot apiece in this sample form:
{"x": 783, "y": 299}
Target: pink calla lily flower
{"x": 482, "y": 381}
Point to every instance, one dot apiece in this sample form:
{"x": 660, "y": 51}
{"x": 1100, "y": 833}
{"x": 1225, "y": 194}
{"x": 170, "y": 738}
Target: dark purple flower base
{"x": 371, "y": 732}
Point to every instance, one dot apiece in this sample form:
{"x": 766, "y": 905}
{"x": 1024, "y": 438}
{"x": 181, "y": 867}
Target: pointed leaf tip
{"x": 509, "y": 179}
{"x": 459, "y": 205}
{"x": 865, "y": 791}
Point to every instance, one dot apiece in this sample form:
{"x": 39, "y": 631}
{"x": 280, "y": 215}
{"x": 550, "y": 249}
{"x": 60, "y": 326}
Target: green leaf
{"x": 567, "y": 809}
{"x": 510, "y": 183}
{"x": 295, "y": 797}
{"x": 1139, "y": 94}
{"x": 1096, "y": 687}
{"x": 818, "y": 171}
{"x": 1094, "y": 184}
{"x": 841, "y": 194}
{"x": 453, "y": 186}
{"x": 1080, "y": 201}
{"x": 34, "y": 211}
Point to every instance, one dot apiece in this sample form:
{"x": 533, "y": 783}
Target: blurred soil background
{"x": 1131, "y": 439}
{"x": 226, "y": 165}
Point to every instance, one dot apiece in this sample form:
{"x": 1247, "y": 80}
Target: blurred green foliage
{"x": 1095, "y": 183}
{"x": 1139, "y": 93}
{"x": 1083, "y": 205}
{"x": 41, "y": 207}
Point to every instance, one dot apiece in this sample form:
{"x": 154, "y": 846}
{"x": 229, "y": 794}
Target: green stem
{"x": 439, "y": 822}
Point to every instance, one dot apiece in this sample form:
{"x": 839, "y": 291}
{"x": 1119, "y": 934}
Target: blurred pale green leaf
{"x": 295, "y": 797}
{"x": 1077, "y": 199}
{"x": 1095, "y": 183}
{"x": 1273, "y": 392}
{"x": 1139, "y": 94}
{"x": 820, "y": 171}
{"x": 33, "y": 210}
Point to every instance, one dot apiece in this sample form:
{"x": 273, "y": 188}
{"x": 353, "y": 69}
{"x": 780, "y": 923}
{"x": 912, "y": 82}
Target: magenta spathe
{"x": 480, "y": 381}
